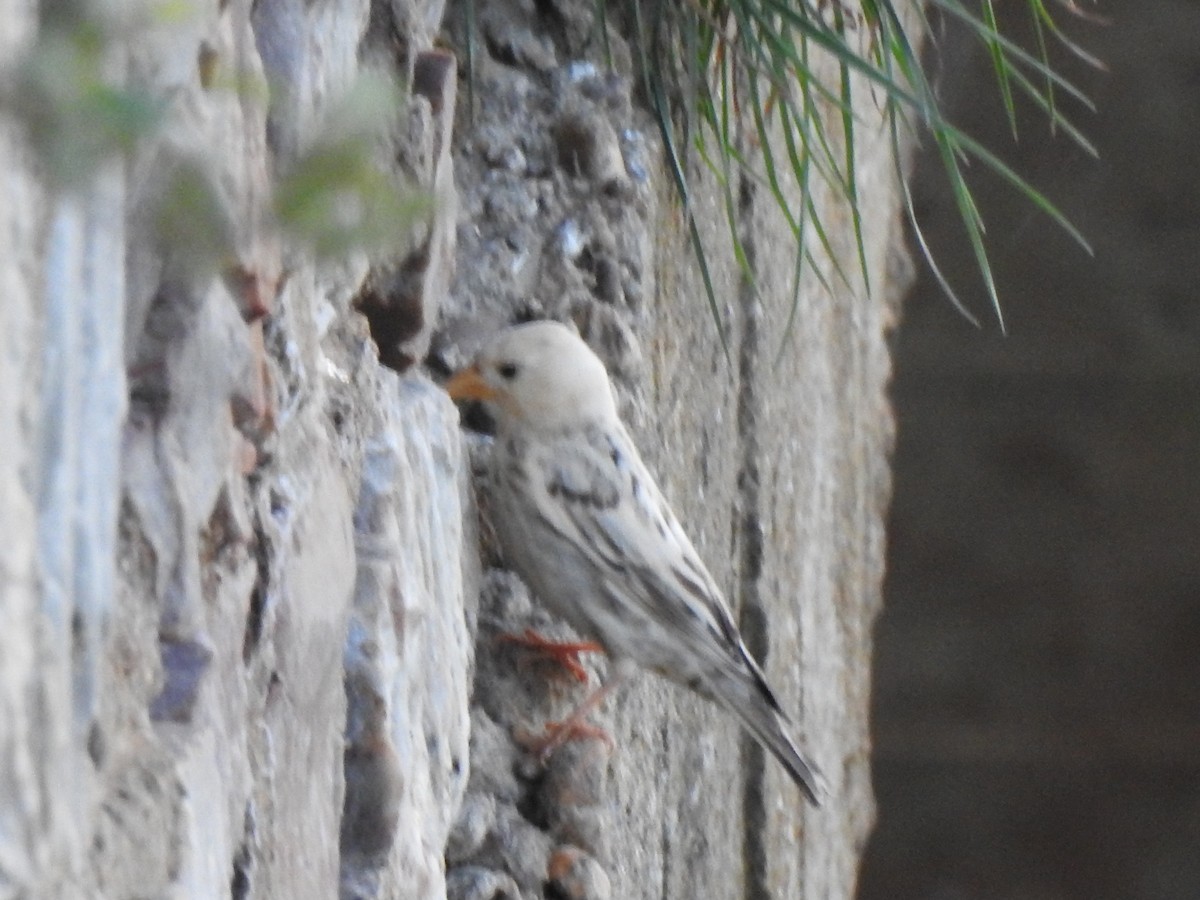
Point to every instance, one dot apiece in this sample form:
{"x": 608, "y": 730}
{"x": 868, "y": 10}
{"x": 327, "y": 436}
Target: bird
{"x": 579, "y": 517}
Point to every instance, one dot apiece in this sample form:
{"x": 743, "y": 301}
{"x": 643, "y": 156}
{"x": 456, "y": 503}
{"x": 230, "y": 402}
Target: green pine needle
{"x": 743, "y": 77}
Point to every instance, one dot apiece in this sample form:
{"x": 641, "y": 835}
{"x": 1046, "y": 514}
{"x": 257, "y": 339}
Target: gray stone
{"x": 478, "y": 883}
{"x": 476, "y": 819}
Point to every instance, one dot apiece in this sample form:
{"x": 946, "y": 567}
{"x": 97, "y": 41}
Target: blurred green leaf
{"x": 75, "y": 115}
{"x": 336, "y": 197}
{"x": 191, "y": 219}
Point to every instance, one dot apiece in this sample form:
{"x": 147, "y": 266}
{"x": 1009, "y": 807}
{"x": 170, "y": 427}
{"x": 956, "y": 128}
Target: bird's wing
{"x": 597, "y": 494}
{"x": 605, "y": 501}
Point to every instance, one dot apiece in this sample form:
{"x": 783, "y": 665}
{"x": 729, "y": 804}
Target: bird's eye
{"x": 508, "y": 371}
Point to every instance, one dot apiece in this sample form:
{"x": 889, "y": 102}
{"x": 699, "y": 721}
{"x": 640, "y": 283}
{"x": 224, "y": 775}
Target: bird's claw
{"x": 565, "y": 653}
{"x": 555, "y": 734}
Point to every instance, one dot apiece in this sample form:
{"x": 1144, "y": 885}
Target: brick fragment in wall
{"x": 401, "y": 300}
{"x": 575, "y": 875}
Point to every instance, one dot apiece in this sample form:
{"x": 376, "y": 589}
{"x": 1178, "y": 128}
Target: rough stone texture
{"x": 407, "y": 623}
{"x": 28, "y": 666}
{"x": 779, "y": 472}
{"x": 1038, "y": 680}
{"x": 401, "y": 302}
{"x": 234, "y": 564}
{"x": 63, "y": 401}
{"x": 243, "y": 602}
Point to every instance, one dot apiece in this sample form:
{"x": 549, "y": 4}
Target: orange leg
{"x": 573, "y": 727}
{"x": 565, "y": 653}
{"x": 556, "y": 734}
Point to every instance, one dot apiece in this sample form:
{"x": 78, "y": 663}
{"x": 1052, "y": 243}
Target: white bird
{"x": 580, "y": 518}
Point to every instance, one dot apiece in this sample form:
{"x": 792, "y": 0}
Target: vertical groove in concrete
{"x": 750, "y": 557}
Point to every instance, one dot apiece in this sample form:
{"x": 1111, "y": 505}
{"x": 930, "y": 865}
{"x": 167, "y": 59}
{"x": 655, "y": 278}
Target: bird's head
{"x": 540, "y": 376}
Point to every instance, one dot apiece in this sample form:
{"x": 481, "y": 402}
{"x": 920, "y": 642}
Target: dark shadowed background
{"x": 1037, "y": 691}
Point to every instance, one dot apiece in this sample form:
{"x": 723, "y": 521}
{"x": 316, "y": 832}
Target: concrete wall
{"x": 248, "y": 618}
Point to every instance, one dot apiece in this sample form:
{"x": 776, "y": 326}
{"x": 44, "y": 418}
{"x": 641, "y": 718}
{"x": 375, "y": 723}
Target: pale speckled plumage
{"x": 580, "y": 518}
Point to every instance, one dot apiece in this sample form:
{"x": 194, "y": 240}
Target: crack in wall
{"x": 751, "y": 619}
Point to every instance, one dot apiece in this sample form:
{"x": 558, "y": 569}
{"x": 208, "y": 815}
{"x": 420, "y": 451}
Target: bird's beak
{"x": 468, "y": 384}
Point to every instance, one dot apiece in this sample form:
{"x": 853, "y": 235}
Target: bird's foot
{"x": 573, "y": 727}
{"x": 565, "y": 653}
{"x": 555, "y": 734}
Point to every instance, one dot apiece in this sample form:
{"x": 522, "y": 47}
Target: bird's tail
{"x": 775, "y": 738}
{"x": 751, "y": 701}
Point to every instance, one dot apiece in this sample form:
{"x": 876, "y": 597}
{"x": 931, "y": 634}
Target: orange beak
{"x": 468, "y": 384}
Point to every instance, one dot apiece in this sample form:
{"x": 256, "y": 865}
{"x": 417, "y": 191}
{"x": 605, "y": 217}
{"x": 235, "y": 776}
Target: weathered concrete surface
{"x": 816, "y": 429}
{"x": 243, "y": 586}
